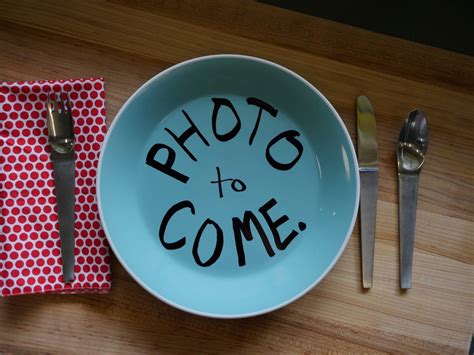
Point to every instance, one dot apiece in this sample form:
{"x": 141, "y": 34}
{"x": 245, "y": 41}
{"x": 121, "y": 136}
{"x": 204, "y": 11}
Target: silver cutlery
{"x": 411, "y": 151}
{"x": 368, "y": 170}
{"x": 61, "y": 138}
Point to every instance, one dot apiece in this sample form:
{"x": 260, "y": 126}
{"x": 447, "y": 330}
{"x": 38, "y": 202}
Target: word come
{"x": 241, "y": 229}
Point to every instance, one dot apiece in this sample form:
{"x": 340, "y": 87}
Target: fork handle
{"x": 407, "y": 201}
{"x": 64, "y": 170}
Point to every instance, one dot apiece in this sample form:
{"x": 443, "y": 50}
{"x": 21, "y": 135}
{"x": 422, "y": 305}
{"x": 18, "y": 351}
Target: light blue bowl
{"x": 298, "y": 162}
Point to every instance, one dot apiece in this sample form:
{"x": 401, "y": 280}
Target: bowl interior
{"x": 228, "y": 186}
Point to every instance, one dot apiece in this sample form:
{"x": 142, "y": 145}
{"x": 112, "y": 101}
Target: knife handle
{"x": 407, "y": 200}
{"x": 368, "y": 216}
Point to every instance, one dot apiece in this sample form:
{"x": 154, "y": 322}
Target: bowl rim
{"x": 99, "y": 175}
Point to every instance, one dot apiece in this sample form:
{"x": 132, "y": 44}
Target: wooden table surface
{"x": 127, "y": 42}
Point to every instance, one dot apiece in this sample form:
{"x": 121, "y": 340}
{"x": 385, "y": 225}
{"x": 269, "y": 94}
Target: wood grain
{"x": 127, "y": 42}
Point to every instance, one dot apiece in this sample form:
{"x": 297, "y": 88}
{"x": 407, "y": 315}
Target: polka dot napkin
{"x": 30, "y": 248}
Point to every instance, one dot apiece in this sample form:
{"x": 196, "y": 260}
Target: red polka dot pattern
{"x": 30, "y": 254}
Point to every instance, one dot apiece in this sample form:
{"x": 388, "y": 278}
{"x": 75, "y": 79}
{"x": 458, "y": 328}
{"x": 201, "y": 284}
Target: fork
{"x": 61, "y": 138}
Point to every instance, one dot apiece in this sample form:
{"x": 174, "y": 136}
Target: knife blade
{"x": 368, "y": 171}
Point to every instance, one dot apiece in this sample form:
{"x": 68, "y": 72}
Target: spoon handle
{"x": 407, "y": 199}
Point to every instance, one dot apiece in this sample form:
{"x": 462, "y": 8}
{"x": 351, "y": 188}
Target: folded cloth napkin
{"x": 30, "y": 248}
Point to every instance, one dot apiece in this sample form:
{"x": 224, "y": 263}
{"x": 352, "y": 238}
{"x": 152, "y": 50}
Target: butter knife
{"x": 369, "y": 172}
{"x": 61, "y": 138}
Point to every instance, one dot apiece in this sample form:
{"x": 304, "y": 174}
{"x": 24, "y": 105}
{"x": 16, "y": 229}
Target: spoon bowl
{"x": 413, "y": 143}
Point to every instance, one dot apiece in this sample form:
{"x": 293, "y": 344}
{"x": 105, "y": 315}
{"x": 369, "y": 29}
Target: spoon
{"x": 411, "y": 152}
